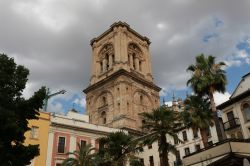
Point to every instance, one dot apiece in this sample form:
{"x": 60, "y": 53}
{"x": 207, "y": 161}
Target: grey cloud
{"x": 58, "y": 53}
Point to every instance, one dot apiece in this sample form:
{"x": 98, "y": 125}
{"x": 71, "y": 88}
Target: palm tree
{"x": 117, "y": 148}
{"x": 197, "y": 115}
{"x": 82, "y": 157}
{"x": 161, "y": 122}
{"x": 207, "y": 78}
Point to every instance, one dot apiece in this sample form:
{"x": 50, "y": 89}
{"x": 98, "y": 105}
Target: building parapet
{"x": 218, "y": 151}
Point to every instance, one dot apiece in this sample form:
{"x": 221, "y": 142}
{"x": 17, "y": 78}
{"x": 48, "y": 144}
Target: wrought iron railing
{"x": 231, "y": 124}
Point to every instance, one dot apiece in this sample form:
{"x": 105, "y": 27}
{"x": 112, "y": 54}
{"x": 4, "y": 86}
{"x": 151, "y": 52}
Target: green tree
{"x": 82, "y": 157}
{"x": 117, "y": 148}
{"x": 161, "y": 122}
{"x": 15, "y": 111}
{"x": 197, "y": 115}
{"x": 207, "y": 78}
{"x": 136, "y": 162}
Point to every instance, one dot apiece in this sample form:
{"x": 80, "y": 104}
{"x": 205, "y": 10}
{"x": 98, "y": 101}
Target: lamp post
{"x": 48, "y": 95}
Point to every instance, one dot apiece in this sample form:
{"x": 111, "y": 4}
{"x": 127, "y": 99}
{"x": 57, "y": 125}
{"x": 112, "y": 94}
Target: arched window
{"x": 141, "y": 99}
{"x": 101, "y": 67}
{"x": 113, "y": 58}
{"x": 135, "y": 57}
{"x": 140, "y": 66}
{"x": 103, "y": 116}
{"x": 104, "y": 102}
{"x": 106, "y": 57}
{"x": 246, "y": 111}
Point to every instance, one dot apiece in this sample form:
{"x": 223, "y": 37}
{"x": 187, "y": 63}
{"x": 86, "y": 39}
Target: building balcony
{"x": 231, "y": 124}
{"x": 227, "y": 152}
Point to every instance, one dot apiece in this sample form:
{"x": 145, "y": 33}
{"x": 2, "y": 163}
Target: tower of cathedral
{"x": 121, "y": 84}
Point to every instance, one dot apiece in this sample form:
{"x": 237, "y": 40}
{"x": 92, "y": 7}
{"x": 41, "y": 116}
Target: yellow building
{"x": 39, "y": 135}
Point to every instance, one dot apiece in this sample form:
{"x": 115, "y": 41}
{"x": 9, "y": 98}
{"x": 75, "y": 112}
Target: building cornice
{"x": 122, "y": 24}
{"x": 242, "y": 79}
{"x": 122, "y": 72}
{"x": 53, "y": 124}
{"x": 234, "y": 100}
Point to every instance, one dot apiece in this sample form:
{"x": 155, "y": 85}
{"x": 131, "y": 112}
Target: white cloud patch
{"x": 237, "y": 58}
{"x": 231, "y": 63}
{"x": 221, "y": 98}
{"x": 242, "y": 54}
{"x": 80, "y": 101}
{"x": 55, "y": 106}
{"x": 51, "y": 37}
{"x": 169, "y": 103}
{"x": 42, "y": 12}
{"x": 161, "y": 26}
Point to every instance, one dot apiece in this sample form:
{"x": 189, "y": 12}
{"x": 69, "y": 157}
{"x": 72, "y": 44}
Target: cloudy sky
{"x": 51, "y": 38}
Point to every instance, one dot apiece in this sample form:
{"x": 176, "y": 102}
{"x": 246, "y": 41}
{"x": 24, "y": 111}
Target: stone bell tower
{"x": 121, "y": 83}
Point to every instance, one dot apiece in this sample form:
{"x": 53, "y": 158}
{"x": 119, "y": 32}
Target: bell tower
{"x": 121, "y": 83}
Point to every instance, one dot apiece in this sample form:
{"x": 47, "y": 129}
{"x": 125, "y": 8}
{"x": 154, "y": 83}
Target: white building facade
{"x": 236, "y": 111}
{"x": 192, "y": 142}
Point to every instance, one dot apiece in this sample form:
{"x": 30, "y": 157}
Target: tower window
{"x": 133, "y": 60}
{"x": 107, "y": 60}
{"x": 141, "y": 99}
{"x": 140, "y": 66}
{"x": 101, "y": 65}
{"x": 103, "y": 116}
{"x": 113, "y": 58}
{"x": 104, "y": 102}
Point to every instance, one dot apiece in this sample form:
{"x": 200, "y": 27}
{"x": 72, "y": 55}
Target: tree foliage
{"x": 161, "y": 122}
{"x": 116, "y": 149}
{"x": 15, "y": 111}
{"x": 81, "y": 157}
{"x": 197, "y": 115}
{"x": 208, "y": 77}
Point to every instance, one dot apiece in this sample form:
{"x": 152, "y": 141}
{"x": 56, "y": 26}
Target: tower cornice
{"x": 122, "y": 72}
{"x": 121, "y": 24}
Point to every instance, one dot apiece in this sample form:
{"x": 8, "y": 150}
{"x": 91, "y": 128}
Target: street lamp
{"x": 48, "y": 95}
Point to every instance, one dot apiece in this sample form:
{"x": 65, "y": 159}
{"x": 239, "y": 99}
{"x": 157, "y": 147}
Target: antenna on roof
{"x": 163, "y": 101}
{"x": 173, "y": 96}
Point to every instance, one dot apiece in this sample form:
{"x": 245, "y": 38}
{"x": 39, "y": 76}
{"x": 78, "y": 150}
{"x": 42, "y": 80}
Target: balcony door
{"x": 230, "y": 117}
